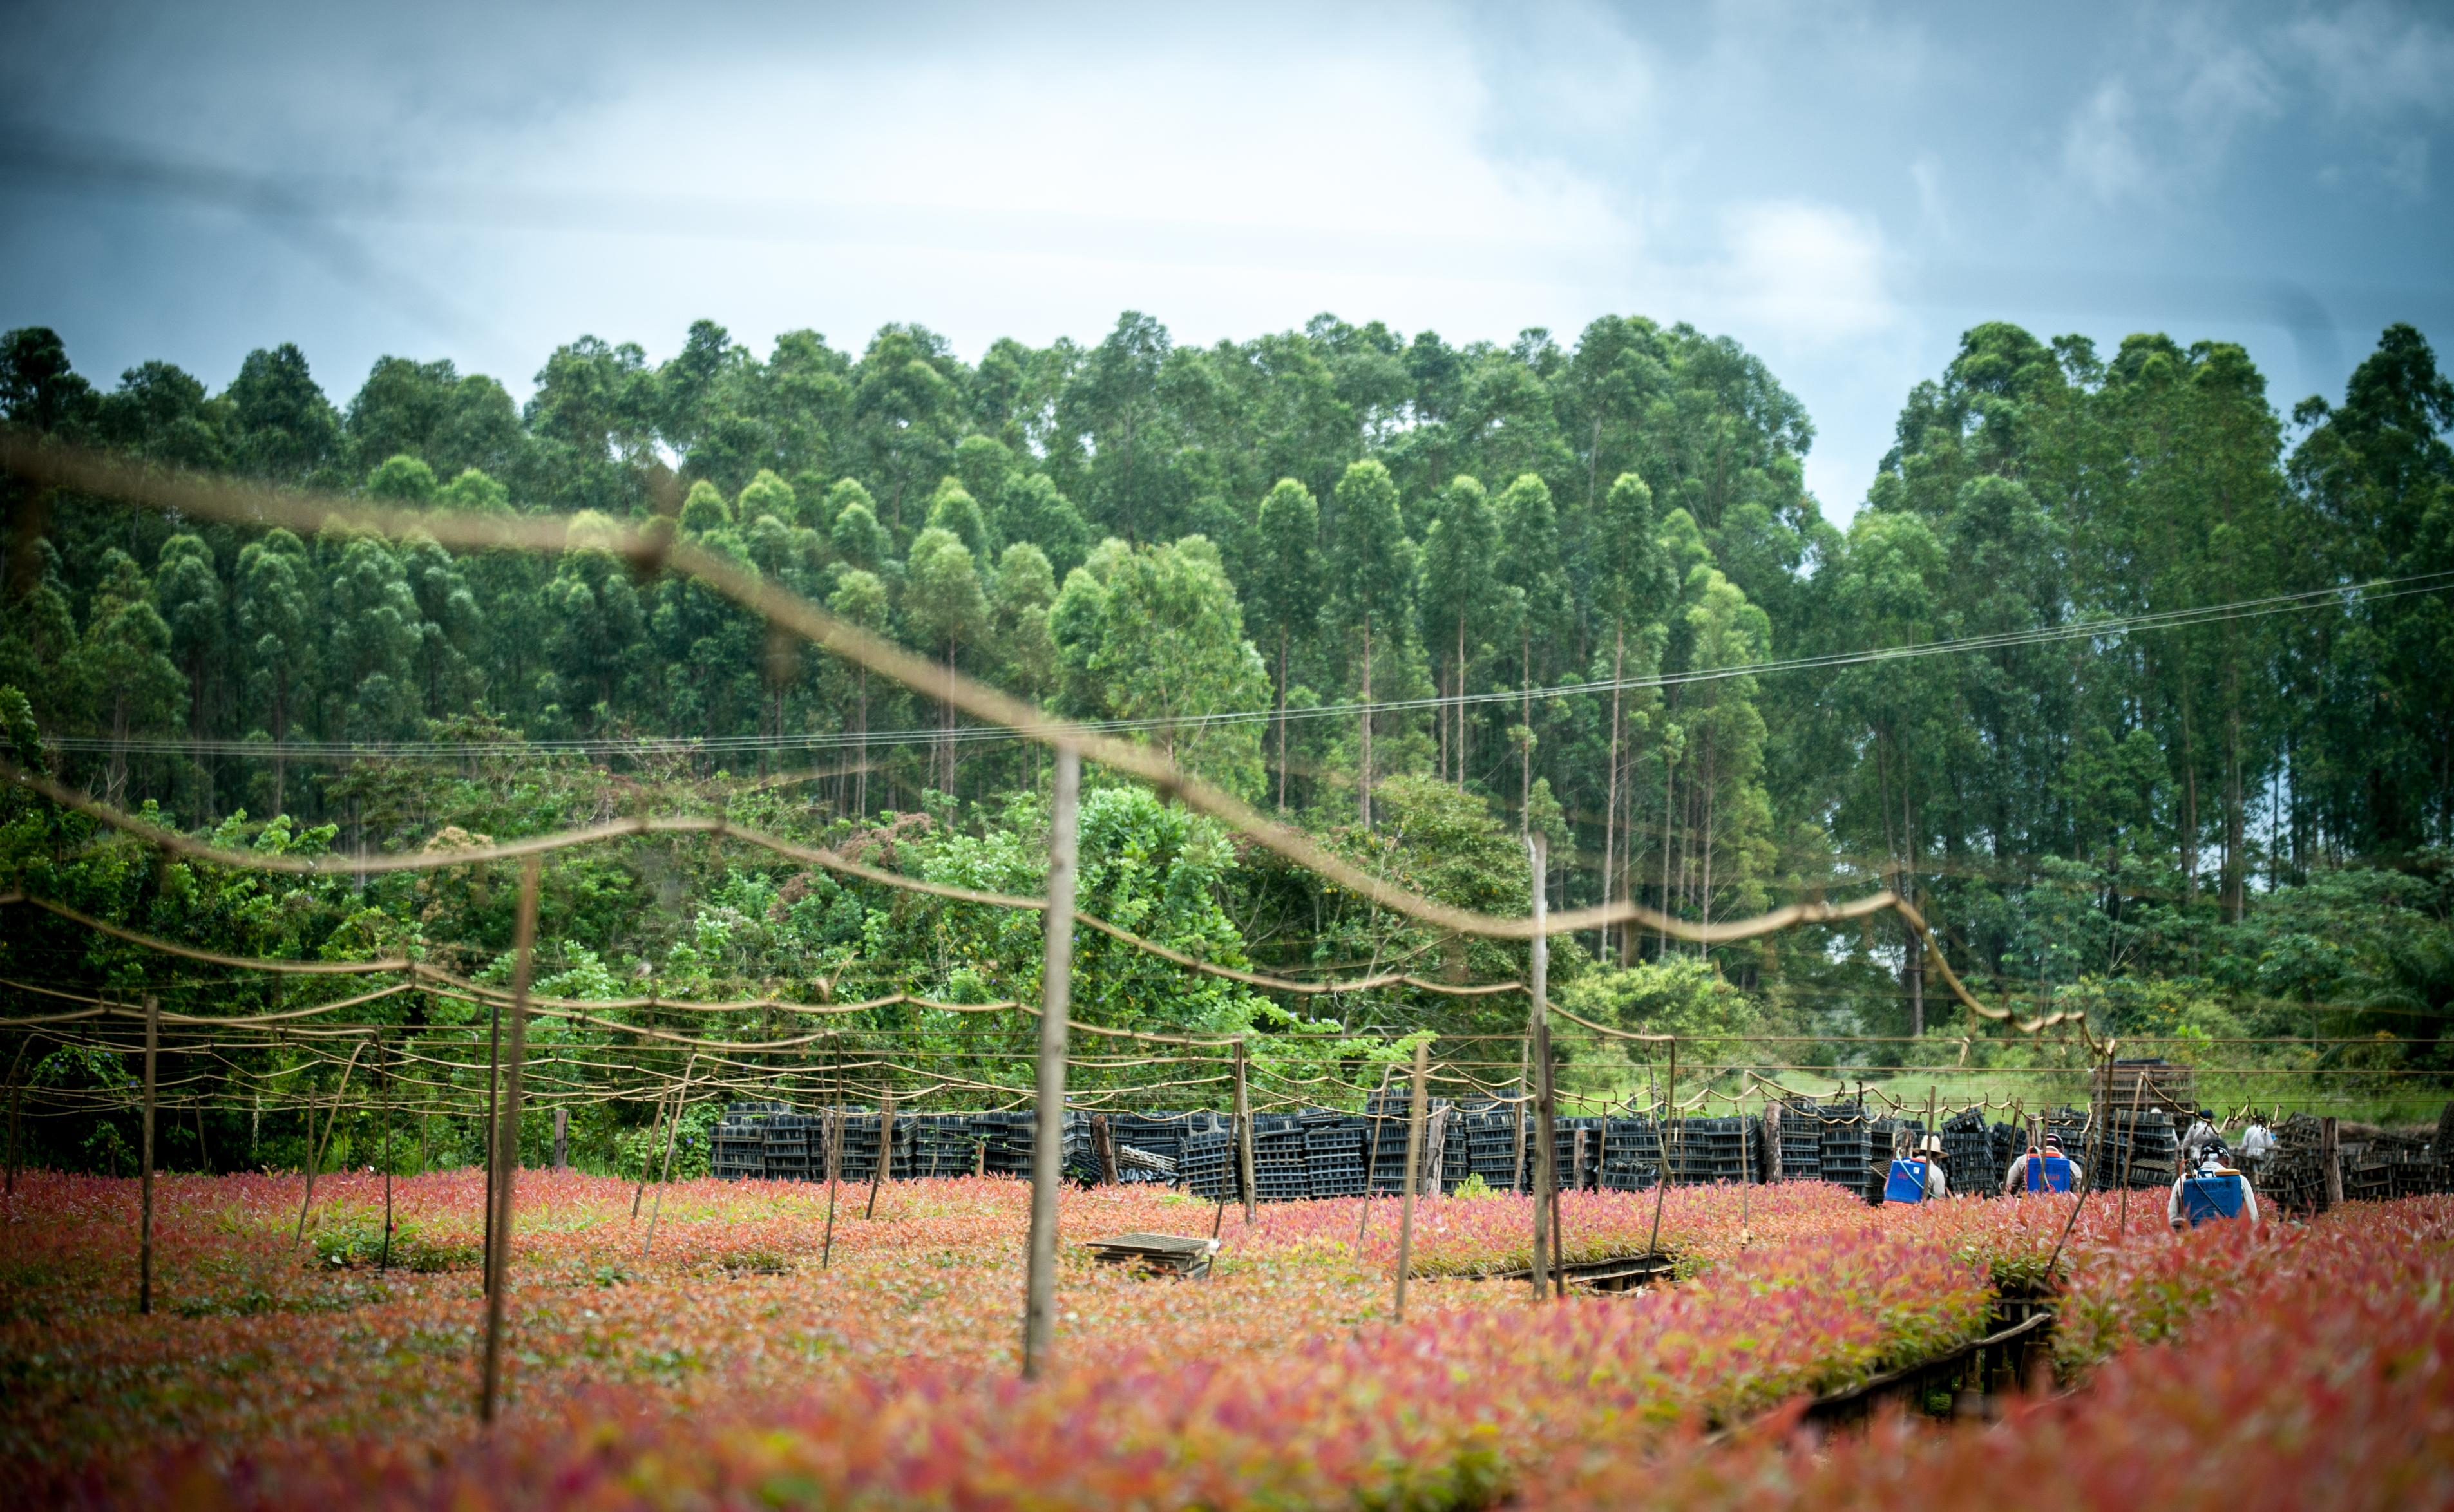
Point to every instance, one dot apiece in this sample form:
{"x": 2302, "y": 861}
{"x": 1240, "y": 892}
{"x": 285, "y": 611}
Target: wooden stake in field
{"x": 885, "y": 1149}
{"x": 16, "y": 1090}
{"x": 506, "y": 1144}
{"x": 647, "y": 1156}
{"x": 317, "y": 1149}
{"x": 1662, "y": 1142}
{"x": 672, "y": 1130}
{"x": 2137, "y": 1092}
{"x": 493, "y": 1126}
{"x": 1243, "y": 1135}
{"x": 1048, "y": 1129}
{"x": 1537, "y": 1037}
{"x": 1414, "y": 1159}
{"x": 145, "y": 1233}
{"x": 834, "y": 1129}
{"x": 383, "y": 1261}
{"x": 1524, "y": 1101}
{"x": 1372, "y": 1157}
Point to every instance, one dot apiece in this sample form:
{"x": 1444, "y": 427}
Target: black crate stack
{"x": 1151, "y": 1133}
{"x": 2140, "y": 1147}
{"x": 793, "y": 1147}
{"x": 1491, "y": 1146}
{"x": 741, "y": 1144}
{"x": 1846, "y": 1148}
{"x": 942, "y": 1145}
{"x": 1574, "y": 1177}
{"x": 1004, "y": 1137}
{"x": 1968, "y": 1154}
{"x": 1209, "y": 1167}
{"x": 1707, "y": 1150}
{"x": 1631, "y": 1155}
{"x": 1278, "y": 1158}
{"x": 860, "y": 1139}
{"x": 1332, "y": 1154}
{"x": 1801, "y": 1142}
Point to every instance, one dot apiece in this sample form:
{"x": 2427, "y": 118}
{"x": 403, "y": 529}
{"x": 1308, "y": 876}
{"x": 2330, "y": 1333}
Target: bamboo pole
{"x": 672, "y": 1130}
{"x": 1372, "y": 1156}
{"x": 1244, "y": 1135}
{"x": 1537, "y": 1038}
{"x": 885, "y": 1149}
{"x": 507, "y": 1143}
{"x": 383, "y": 1263}
{"x": 1524, "y": 1101}
{"x": 1048, "y": 1130}
{"x": 1662, "y": 1142}
{"x": 315, "y": 1149}
{"x": 647, "y": 1156}
{"x": 834, "y": 1125}
{"x": 493, "y": 1089}
{"x": 145, "y": 1232}
{"x": 1414, "y": 1159}
{"x": 2137, "y": 1092}
{"x": 17, "y": 1091}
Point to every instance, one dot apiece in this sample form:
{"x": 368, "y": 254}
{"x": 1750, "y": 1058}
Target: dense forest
{"x": 2183, "y": 708}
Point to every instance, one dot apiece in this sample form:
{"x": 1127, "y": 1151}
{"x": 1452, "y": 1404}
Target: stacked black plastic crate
{"x": 1631, "y": 1155}
{"x": 942, "y": 1145}
{"x": 1278, "y": 1158}
{"x": 1333, "y": 1147}
{"x": 1157, "y": 1134}
{"x": 861, "y": 1142}
{"x": 1968, "y": 1154}
{"x": 793, "y": 1147}
{"x": 1708, "y": 1150}
{"x": 1801, "y": 1142}
{"x": 2008, "y": 1141}
{"x": 739, "y": 1149}
{"x": 1208, "y": 1166}
{"x": 1491, "y": 1146}
{"x": 1575, "y": 1175}
{"x": 1846, "y": 1148}
{"x": 2140, "y": 1148}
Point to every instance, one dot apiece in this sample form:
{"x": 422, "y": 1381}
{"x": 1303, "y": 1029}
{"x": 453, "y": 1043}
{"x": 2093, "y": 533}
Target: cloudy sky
{"x": 1842, "y": 187}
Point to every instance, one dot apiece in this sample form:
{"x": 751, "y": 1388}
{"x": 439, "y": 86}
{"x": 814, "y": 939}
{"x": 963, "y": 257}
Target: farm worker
{"x": 2214, "y": 1190}
{"x": 1919, "y": 1176}
{"x": 2046, "y": 1171}
{"x": 2257, "y": 1144}
{"x": 2201, "y": 1134}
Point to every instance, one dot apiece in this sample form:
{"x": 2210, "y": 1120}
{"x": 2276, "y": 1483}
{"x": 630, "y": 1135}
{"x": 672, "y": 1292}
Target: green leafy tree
{"x": 1371, "y": 573}
{"x": 1285, "y": 589}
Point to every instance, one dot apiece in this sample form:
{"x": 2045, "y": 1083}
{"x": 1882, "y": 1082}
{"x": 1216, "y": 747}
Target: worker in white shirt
{"x": 2044, "y": 1170}
{"x": 2214, "y": 1191}
{"x": 2201, "y": 1134}
{"x": 2257, "y": 1144}
{"x": 1918, "y": 1178}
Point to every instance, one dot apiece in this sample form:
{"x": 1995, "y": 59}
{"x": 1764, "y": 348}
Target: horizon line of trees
{"x": 1146, "y": 531}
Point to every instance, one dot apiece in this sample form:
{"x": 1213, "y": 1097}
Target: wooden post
{"x": 562, "y": 1139}
{"x": 672, "y": 1130}
{"x": 493, "y": 1122}
{"x": 885, "y": 1149}
{"x": 17, "y": 1089}
{"x": 1414, "y": 1159}
{"x": 833, "y": 1128}
{"x": 383, "y": 1261}
{"x": 2137, "y": 1092}
{"x": 1372, "y": 1156}
{"x": 1048, "y": 1128}
{"x": 145, "y": 1233}
{"x": 1772, "y": 1142}
{"x": 1103, "y": 1144}
{"x": 1524, "y": 1102}
{"x": 2331, "y": 1162}
{"x": 315, "y": 1149}
{"x": 507, "y": 1143}
{"x": 647, "y": 1157}
{"x": 1244, "y": 1177}
{"x": 1537, "y": 1037}
{"x": 1662, "y": 1142}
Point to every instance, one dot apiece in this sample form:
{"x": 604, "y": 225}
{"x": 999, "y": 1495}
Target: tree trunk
{"x": 1610, "y": 804}
{"x": 1914, "y": 967}
{"x": 1282, "y": 719}
{"x": 1365, "y": 786}
{"x": 1526, "y": 717}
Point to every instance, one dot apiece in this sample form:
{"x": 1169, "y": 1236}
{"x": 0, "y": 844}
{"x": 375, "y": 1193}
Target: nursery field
{"x": 748, "y": 1359}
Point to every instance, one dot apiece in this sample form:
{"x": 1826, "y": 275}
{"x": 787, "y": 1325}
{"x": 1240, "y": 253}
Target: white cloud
{"x": 2098, "y": 148}
{"x": 1811, "y": 272}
